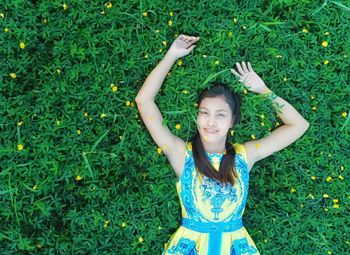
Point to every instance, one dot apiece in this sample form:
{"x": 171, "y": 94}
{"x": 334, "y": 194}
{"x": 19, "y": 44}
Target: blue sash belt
{"x": 209, "y": 227}
{"x": 214, "y": 229}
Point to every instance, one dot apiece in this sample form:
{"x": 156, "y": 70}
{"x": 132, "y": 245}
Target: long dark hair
{"x": 227, "y": 166}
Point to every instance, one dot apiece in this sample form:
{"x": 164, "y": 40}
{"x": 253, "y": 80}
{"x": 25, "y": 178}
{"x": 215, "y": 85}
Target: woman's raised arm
{"x": 172, "y": 146}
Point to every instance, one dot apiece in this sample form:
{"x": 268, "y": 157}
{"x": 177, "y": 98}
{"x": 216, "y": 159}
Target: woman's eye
{"x": 203, "y": 113}
{"x": 222, "y": 115}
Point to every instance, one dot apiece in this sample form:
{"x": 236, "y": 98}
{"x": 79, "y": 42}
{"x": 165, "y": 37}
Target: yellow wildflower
{"x": 312, "y": 97}
{"x": 342, "y": 168}
{"x": 217, "y": 62}
{"x": 20, "y": 123}
{"x": 277, "y": 124}
{"x": 2, "y": 15}
{"x": 325, "y": 196}
{"x": 127, "y": 103}
{"x": 304, "y": 30}
{"x": 159, "y": 150}
{"x": 326, "y": 62}
{"x": 6, "y": 29}
{"x": 252, "y": 136}
{"x": 58, "y": 122}
{"x": 170, "y": 23}
{"x": 178, "y": 126}
{"x": 314, "y": 108}
{"x": 329, "y": 178}
{"x": 230, "y": 34}
{"x": 335, "y": 200}
{"x": 326, "y": 33}
{"x": 244, "y": 27}
{"x": 102, "y": 12}
{"x": 35, "y": 187}
{"x": 180, "y": 62}
{"x": 235, "y": 20}
{"x": 164, "y": 43}
{"x": 265, "y": 241}
{"x": 114, "y": 88}
{"x": 185, "y": 91}
{"x": 13, "y": 75}
{"x": 20, "y": 147}
{"x": 140, "y": 239}
{"x": 262, "y": 124}
{"x": 329, "y": 252}
{"x": 325, "y": 44}
{"x": 171, "y": 14}
{"x": 285, "y": 79}
{"x": 78, "y": 178}
{"x": 109, "y": 5}
{"x": 106, "y": 223}
{"x": 102, "y": 115}
{"x": 245, "y": 91}
{"x": 86, "y": 114}
{"x": 335, "y": 206}
{"x": 22, "y": 45}
{"x": 58, "y": 71}
{"x": 301, "y": 205}
{"x": 292, "y": 190}
{"x": 232, "y": 132}
{"x": 165, "y": 246}
{"x": 124, "y": 224}
{"x": 204, "y": 56}
{"x": 278, "y": 56}
{"x": 262, "y": 116}
{"x": 313, "y": 177}
{"x": 45, "y": 21}
{"x": 65, "y": 6}
{"x": 326, "y": 209}
{"x": 132, "y": 104}
{"x": 344, "y": 114}
{"x": 146, "y": 56}
{"x": 78, "y": 131}
{"x": 145, "y": 14}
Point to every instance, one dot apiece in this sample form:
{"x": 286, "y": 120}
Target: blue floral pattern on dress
{"x": 241, "y": 247}
{"x": 217, "y": 193}
{"x": 185, "y": 246}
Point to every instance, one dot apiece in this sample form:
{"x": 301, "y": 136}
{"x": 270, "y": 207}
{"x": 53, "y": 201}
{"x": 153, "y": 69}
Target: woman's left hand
{"x": 249, "y": 78}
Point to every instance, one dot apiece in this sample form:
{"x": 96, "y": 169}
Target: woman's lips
{"x": 210, "y": 131}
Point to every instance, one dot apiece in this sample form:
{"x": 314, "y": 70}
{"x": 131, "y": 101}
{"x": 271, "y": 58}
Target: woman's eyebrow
{"x": 220, "y": 110}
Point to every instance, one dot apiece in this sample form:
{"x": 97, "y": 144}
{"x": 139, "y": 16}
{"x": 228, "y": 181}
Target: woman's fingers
{"x": 244, "y": 66}
{"x": 240, "y": 70}
{"x": 250, "y": 68}
{"x": 235, "y": 73}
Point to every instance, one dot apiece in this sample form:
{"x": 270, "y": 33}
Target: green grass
{"x": 70, "y": 59}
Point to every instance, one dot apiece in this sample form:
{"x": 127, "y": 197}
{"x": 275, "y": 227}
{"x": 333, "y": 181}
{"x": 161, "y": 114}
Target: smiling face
{"x": 214, "y": 120}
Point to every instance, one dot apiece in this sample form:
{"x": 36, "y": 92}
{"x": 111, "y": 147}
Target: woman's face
{"x": 214, "y": 119}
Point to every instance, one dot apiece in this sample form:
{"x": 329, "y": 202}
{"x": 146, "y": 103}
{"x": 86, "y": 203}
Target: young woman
{"x": 213, "y": 173}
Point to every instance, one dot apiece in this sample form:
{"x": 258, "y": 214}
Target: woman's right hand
{"x": 182, "y": 45}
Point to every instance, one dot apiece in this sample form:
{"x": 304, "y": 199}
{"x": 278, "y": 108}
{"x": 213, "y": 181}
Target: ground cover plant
{"x": 79, "y": 172}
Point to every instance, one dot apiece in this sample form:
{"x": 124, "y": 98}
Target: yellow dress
{"x": 211, "y": 212}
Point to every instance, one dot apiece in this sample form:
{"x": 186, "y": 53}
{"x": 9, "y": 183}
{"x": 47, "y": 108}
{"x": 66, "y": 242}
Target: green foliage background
{"x": 70, "y": 59}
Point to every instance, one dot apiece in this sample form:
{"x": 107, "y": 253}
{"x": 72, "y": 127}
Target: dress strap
{"x": 188, "y": 148}
{"x": 239, "y": 148}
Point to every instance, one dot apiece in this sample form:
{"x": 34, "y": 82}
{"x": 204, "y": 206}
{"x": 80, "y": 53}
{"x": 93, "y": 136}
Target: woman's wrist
{"x": 170, "y": 56}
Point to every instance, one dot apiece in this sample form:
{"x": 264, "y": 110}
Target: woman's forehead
{"x": 216, "y": 103}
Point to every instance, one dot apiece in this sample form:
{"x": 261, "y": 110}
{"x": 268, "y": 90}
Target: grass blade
{"x": 322, "y": 6}
{"x": 88, "y": 165}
